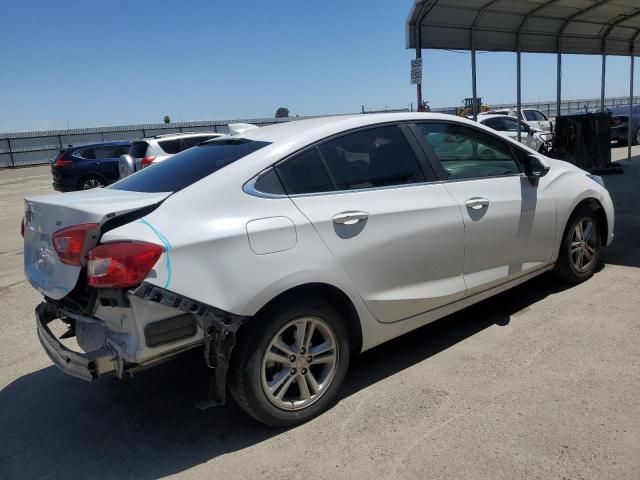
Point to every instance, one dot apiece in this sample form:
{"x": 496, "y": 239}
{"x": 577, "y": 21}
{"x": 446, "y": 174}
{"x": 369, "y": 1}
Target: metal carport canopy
{"x": 591, "y": 27}
{"x": 608, "y": 27}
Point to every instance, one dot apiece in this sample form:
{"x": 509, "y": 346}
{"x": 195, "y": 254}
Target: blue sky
{"x": 109, "y": 62}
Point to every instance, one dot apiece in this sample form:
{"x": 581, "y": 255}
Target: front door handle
{"x": 476, "y": 203}
{"x": 349, "y": 218}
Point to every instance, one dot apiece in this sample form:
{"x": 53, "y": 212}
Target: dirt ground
{"x": 540, "y": 382}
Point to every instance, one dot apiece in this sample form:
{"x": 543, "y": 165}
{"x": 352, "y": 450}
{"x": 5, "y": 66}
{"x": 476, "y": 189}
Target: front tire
{"x": 290, "y": 363}
{"x": 580, "y": 249}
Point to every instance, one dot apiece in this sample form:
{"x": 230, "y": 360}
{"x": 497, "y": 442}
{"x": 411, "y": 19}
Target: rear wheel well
{"x": 600, "y": 216}
{"x": 333, "y": 295}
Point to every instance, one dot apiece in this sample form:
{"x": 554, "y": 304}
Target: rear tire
{"x": 580, "y": 249}
{"x": 636, "y": 137}
{"x": 91, "y": 181}
{"x": 290, "y": 362}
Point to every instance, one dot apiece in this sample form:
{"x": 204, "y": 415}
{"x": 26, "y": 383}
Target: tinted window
{"x": 109, "y": 151}
{"x": 170, "y": 146}
{"x": 189, "y": 142}
{"x": 511, "y": 124}
{"x": 375, "y": 157}
{"x": 85, "y": 154}
{"x": 269, "y": 183}
{"x": 495, "y": 123}
{"x": 469, "y": 153}
{"x": 304, "y": 173}
{"x": 138, "y": 149}
{"x": 188, "y": 167}
{"x": 534, "y": 116}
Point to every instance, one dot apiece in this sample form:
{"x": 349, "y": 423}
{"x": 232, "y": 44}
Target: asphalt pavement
{"x": 542, "y": 381}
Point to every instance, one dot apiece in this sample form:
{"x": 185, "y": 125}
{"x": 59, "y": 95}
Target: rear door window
{"x": 190, "y": 166}
{"x": 376, "y": 157}
{"x": 85, "y": 154}
{"x": 171, "y": 146}
{"x": 495, "y": 123}
{"x": 109, "y": 151}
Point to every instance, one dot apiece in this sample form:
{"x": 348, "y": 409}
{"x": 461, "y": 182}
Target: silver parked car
{"x": 149, "y": 151}
{"x": 286, "y": 248}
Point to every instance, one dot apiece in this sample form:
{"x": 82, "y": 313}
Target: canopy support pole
{"x": 474, "y": 108}
{"x": 558, "y": 86}
{"x": 629, "y": 123}
{"x": 603, "y": 81}
{"x": 418, "y": 56}
{"x": 519, "y": 95}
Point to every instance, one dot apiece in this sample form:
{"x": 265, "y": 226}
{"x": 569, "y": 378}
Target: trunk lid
{"x": 46, "y": 214}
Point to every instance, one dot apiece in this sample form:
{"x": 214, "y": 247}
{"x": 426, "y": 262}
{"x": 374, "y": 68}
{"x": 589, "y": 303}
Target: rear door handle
{"x": 476, "y": 203}
{"x": 349, "y": 218}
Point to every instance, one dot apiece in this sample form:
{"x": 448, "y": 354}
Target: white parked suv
{"x": 148, "y": 151}
{"x": 284, "y": 249}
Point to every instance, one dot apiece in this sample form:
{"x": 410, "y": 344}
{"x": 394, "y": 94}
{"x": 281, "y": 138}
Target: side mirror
{"x": 534, "y": 169}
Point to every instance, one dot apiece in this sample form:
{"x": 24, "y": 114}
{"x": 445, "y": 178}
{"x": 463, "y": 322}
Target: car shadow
{"x": 148, "y": 426}
{"x": 624, "y": 191}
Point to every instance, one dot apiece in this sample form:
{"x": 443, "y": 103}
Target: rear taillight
{"x": 62, "y": 160}
{"x": 72, "y": 243}
{"x": 146, "y": 161}
{"x": 121, "y": 264}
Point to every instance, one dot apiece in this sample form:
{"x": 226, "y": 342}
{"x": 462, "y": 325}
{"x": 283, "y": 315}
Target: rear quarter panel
{"x": 209, "y": 256}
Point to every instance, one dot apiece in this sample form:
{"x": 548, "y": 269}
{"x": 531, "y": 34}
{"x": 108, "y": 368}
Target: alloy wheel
{"x": 90, "y": 183}
{"x": 582, "y": 252}
{"x": 299, "y": 363}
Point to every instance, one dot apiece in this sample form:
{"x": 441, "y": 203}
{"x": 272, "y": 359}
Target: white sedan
{"x": 284, "y": 249}
{"x": 531, "y": 116}
{"x": 532, "y": 137}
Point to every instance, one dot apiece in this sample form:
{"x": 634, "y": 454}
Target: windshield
{"x": 188, "y": 167}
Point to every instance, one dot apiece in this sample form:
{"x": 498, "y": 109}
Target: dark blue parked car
{"x": 620, "y": 124}
{"x": 89, "y": 166}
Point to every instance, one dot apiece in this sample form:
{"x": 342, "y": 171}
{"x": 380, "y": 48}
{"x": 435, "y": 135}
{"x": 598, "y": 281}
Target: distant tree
{"x": 282, "y": 112}
{"x": 167, "y": 119}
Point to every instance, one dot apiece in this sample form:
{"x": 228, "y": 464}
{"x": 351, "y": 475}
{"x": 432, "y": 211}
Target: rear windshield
{"x": 138, "y": 149}
{"x": 189, "y": 166}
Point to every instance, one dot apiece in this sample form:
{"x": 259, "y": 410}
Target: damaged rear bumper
{"x": 87, "y": 366}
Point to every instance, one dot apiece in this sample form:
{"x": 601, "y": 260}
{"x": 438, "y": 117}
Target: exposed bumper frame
{"x": 219, "y": 328}
{"x": 87, "y": 366}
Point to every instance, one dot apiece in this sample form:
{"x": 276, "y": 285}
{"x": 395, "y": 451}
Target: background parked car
{"x": 531, "y": 116}
{"x": 620, "y": 124}
{"x": 532, "y": 137}
{"x": 89, "y": 166}
{"x": 156, "y": 149}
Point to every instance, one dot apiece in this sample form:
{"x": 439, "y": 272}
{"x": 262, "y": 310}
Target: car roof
{"x": 102, "y": 144}
{"x": 493, "y": 115}
{"x": 165, "y": 136}
{"x": 318, "y": 128}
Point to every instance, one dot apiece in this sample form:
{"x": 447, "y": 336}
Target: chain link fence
{"x": 36, "y": 148}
